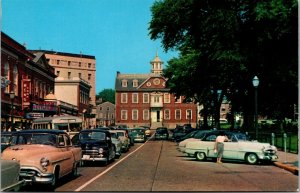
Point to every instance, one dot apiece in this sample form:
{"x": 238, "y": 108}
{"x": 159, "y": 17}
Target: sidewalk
{"x": 288, "y": 161}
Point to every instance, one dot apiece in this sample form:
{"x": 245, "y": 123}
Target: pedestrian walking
{"x": 219, "y": 146}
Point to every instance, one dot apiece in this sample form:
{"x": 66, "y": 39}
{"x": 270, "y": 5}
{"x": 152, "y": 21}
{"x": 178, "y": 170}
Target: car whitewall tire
{"x": 200, "y": 156}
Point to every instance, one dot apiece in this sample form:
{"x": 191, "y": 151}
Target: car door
{"x": 66, "y": 159}
{"x": 231, "y": 147}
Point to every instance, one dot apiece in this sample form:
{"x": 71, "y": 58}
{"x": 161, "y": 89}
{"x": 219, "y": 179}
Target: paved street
{"x": 158, "y": 166}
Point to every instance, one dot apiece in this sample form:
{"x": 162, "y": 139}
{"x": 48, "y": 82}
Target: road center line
{"x": 105, "y": 171}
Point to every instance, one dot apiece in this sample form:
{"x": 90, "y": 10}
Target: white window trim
{"x": 176, "y": 114}
{"x": 137, "y": 114}
{"x": 186, "y": 116}
{"x": 137, "y": 98}
{"x": 167, "y": 118}
{"x": 126, "y": 99}
{"x": 167, "y": 96}
{"x": 125, "y": 113}
{"x": 148, "y": 96}
{"x": 124, "y": 83}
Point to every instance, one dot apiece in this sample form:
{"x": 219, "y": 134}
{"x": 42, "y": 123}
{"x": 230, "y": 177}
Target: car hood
{"x": 27, "y": 154}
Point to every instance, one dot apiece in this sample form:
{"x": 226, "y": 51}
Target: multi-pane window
{"x": 69, "y": 75}
{"x": 57, "y": 62}
{"x": 189, "y": 114}
{"x": 177, "y": 114}
{"x": 135, "y": 98}
{"x": 79, "y": 64}
{"x": 178, "y": 99}
{"x": 79, "y": 75}
{"x": 89, "y": 76}
{"x": 123, "y": 114}
{"x": 146, "y": 114}
{"x": 123, "y": 97}
{"x": 89, "y": 65}
{"x": 57, "y": 73}
{"x": 124, "y": 83}
{"x": 69, "y": 63}
{"x": 156, "y": 99}
{"x": 166, "y": 98}
{"x": 145, "y": 97}
{"x": 135, "y": 114}
{"x": 167, "y": 114}
{"x": 135, "y": 83}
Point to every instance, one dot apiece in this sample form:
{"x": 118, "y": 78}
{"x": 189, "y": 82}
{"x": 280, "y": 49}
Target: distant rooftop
{"x": 64, "y": 54}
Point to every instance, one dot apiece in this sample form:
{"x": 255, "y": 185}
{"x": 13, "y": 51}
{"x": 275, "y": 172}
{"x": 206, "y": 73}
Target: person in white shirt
{"x": 219, "y": 146}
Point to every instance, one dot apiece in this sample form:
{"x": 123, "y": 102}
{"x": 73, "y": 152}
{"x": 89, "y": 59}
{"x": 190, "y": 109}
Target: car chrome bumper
{"x": 93, "y": 158}
{"x": 34, "y": 175}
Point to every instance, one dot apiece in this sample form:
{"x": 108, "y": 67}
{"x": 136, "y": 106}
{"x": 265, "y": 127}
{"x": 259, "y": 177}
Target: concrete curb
{"x": 289, "y": 168}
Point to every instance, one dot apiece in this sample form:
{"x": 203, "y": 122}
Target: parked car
{"x": 5, "y": 139}
{"x": 188, "y": 135}
{"x": 161, "y": 133}
{"x": 196, "y": 136}
{"x": 181, "y": 131}
{"x": 97, "y": 145}
{"x": 147, "y": 130}
{"x": 123, "y": 136}
{"x": 117, "y": 142}
{"x": 138, "y": 134}
{"x": 45, "y": 155}
{"x": 10, "y": 171}
{"x": 238, "y": 148}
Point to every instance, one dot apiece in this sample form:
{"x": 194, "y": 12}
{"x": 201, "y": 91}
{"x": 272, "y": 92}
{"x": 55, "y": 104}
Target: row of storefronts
{"x": 27, "y": 84}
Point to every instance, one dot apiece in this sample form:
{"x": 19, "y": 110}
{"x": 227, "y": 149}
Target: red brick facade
{"x": 143, "y": 99}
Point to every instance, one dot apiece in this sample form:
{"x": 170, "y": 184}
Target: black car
{"x": 161, "y": 133}
{"x": 96, "y": 145}
{"x": 181, "y": 131}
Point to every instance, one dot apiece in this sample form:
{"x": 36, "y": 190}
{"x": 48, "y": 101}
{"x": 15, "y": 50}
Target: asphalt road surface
{"x": 158, "y": 166}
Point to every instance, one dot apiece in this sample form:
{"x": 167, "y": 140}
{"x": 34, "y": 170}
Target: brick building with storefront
{"x": 144, "y": 99}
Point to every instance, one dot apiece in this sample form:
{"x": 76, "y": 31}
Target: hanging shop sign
{"x": 49, "y": 106}
{"x": 25, "y": 93}
{"x": 34, "y": 115}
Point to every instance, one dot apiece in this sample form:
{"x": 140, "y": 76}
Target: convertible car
{"x": 238, "y": 148}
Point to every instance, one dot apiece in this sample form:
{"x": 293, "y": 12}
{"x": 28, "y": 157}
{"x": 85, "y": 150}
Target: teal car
{"x": 138, "y": 135}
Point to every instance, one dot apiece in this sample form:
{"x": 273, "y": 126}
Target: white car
{"x": 195, "y": 137}
{"x": 123, "y": 136}
{"x": 238, "y": 148}
{"x": 116, "y": 140}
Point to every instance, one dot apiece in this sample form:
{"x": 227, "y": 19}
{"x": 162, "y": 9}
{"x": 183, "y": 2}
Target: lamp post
{"x": 255, "y": 83}
{"x": 12, "y": 98}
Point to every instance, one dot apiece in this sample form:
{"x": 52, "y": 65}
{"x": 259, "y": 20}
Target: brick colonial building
{"x": 143, "y": 99}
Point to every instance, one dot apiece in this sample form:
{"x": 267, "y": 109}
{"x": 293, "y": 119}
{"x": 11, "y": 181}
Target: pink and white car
{"x": 44, "y": 155}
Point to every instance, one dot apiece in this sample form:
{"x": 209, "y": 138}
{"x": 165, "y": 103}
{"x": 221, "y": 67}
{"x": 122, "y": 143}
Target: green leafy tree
{"x": 223, "y": 44}
{"x": 107, "y": 95}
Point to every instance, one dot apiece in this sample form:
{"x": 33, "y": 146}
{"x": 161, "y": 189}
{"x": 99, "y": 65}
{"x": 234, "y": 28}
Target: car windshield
{"x": 137, "y": 130}
{"x": 5, "y": 139}
{"x": 162, "y": 130}
{"x": 34, "y": 138}
{"x": 92, "y": 136}
{"x": 242, "y": 137}
{"x": 114, "y": 135}
{"x": 121, "y": 134}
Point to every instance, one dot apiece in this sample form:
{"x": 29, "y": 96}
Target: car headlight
{"x": 101, "y": 150}
{"x": 44, "y": 163}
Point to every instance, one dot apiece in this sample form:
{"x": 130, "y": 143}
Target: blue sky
{"x": 114, "y": 31}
